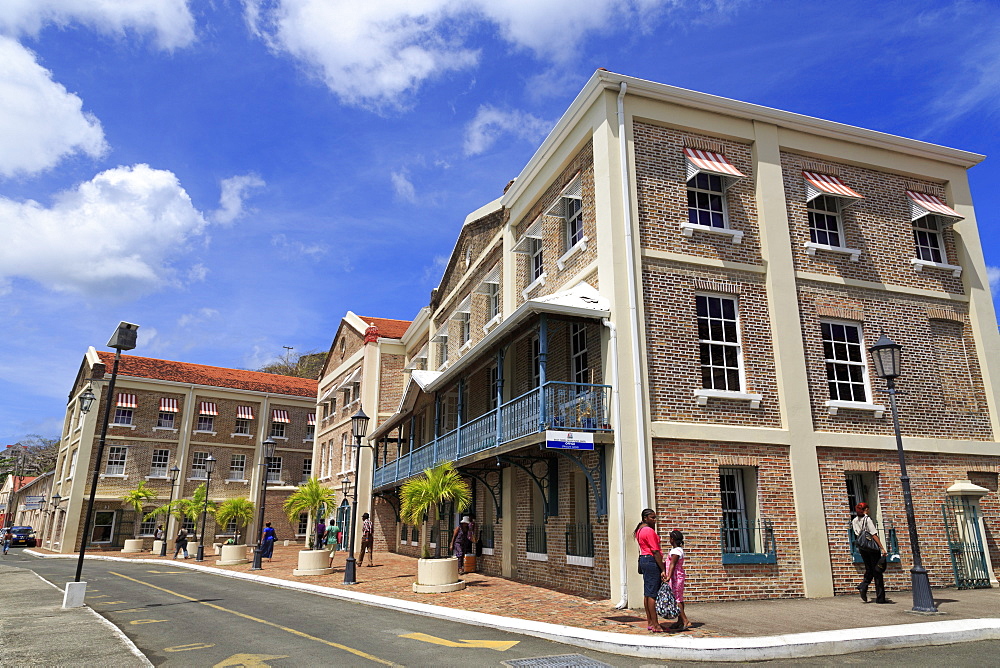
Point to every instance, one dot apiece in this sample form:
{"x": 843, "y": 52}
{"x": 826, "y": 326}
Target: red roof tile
{"x": 199, "y": 374}
{"x": 388, "y": 328}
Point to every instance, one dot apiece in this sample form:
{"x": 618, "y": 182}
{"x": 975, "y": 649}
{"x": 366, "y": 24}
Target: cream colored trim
{"x": 668, "y": 256}
{"x": 872, "y": 285}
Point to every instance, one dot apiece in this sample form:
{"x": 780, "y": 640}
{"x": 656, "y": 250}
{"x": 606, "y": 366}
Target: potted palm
{"x": 309, "y": 498}
{"x": 186, "y": 509}
{"x": 241, "y": 511}
{"x": 421, "y": 497}
{"x": 136, "y": 499}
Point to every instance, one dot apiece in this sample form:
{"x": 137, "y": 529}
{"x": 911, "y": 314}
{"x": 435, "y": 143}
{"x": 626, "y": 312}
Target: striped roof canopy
{"x": 168, "y": 405}
{"x": 279, "y": 415}
{"x": 244, "y": 412}
{"x": 208, "y": 408}
{"x": 126, "y": 400}
{"x": 923, "y": 204}
{"x": 825, "y": 184}
{"x": 710, "y": 163}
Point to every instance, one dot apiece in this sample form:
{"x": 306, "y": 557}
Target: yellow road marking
{"x": 498, "y": 645}
{"x": 248, "y": 660}
{"x": 101, "y": 596}
{"x": 286, "y": 629}
{"x": 188, "y": 648}
{"x": 130, "y": 610}
{"x": 111, "y": 602}
{"x": 171, "y": 572}
{"x": 147, "y": 621}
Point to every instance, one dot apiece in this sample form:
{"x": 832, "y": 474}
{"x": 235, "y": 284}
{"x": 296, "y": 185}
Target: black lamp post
{"x": 174, "y": 473}
{"x": 887, "y": 356}
{"x": 209, "y": 467}
{"x": 359, "y": 427}
{"x": 267, "y": 451}
{"x": 123, "y": 339}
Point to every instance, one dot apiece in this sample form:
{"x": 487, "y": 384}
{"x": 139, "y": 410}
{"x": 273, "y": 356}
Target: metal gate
{"x": 965, "y": 544}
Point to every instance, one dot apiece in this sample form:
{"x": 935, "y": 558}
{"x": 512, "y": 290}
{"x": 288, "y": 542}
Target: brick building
{"x": 166, "y": 413}
{"x": 692, "y": 283}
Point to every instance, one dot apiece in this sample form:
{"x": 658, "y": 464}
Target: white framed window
{"x": 161, "y": 460}
{"x": 206, "y": 423}
{"x": 123, "y": 416}
{"x": 116, "y": 460}
{"x": 573, "y": 220}
{"x": 277, "y": 430}
{"x": 706, "y": 199}
{"x": 274, "y": 469}
{"x": 578, "y": 348}
{"x": 147, "y": 526}
{"x": 442, "y": 349}
{"x": 927, "y": 239}
{"x": 465, "y": 328}
{"x": 493, "y": 294}
{"x": 237, "y": 467}
{"x": 310, "y": 432}
{"x": 72, "y": 466}
{"x": 719, "y": 343}
{"x": 242, "y": 426}
{"x": 537, "y": 264}
{"x": 846, "y": 369}
{"x": 303, "y": 527}
{"x": 198, "y": 468}
{"x": 346, "y": 460}
{"x": 824, "y": 221}
{"x": 307, "y": 468}
{"x": 165, "y": 420}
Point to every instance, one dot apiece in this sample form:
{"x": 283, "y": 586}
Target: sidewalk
{"x": 735, "y": 630}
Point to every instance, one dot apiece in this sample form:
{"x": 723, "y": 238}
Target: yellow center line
{"x": 286, "y": 629}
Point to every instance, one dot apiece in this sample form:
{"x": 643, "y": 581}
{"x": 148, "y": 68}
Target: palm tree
{"x": 238, "y": 510}
{"x": 420, "y": 496}
{"x": 309, "y": 498}
{"x": 186, "y": 509}
{"x": 137, "y": 498}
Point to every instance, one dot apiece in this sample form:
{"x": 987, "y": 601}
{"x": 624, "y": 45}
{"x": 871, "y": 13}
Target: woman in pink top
{"x": 675, "y": 575}
{"x": 650, "y": 565}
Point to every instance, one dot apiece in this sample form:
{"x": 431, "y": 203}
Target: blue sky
{"x": 234, "y": 175}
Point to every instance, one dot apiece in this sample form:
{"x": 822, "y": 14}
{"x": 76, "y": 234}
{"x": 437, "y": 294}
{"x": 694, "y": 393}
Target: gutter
{"x": 616, "y": 412}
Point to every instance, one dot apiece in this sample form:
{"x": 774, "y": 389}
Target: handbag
{"x": 666, "y": 604}
{"x": 882, "y": 564}
{"x": 865, "y": 542}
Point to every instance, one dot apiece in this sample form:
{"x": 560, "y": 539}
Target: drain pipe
{"x": 633, "y": 311}
{"x": 616, "y": 413}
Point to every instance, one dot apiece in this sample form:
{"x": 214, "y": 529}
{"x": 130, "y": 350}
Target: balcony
{"x": 555, "y": 405}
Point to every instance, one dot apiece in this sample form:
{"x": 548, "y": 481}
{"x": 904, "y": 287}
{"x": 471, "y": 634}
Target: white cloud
{"x": 198, "y": 317}
{"x": 435, "y": 270}
{"x": 40, "y": 121}
{"x": 296, "y": 249}
{"x": 403, "y": 187}
{"x": 234, "y": 191}
{"x": 491, "y": 123}
{"x": 115, "y": 235}
{"x": 169, "y": 20}
{"x": 993, "y": 275}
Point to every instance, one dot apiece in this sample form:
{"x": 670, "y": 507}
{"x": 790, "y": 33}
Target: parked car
{"x": 22, "y": 536}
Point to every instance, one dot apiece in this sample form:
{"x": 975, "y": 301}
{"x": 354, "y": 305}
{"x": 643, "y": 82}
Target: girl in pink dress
{"x": 675, "y": 575}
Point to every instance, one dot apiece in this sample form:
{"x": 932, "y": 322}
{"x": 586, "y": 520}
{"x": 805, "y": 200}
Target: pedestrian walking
{"x": 267, "y": 538}
{"x": 332, "y": 537}
{"x": 651, "y": 566}
{"x": 159, "y": 533}
{"x": 6, "y": 538}
{"x": 181, "y": 542}
{"x": 461, "y": 543}
{"x": 367, "y": 540}
{"x": 870, "y": 546}
{"x": 320, "y": 540}
{"x": 675, "y": 576}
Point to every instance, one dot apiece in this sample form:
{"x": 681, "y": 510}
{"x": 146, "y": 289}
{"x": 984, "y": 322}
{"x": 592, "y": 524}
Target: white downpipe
{"x": 616, "y": 413}
{"x": 633, "y": 310}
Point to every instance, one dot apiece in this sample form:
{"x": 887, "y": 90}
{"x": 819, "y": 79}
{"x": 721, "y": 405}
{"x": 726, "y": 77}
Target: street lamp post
{"x": 174, "y": 473}
{"x": 123, "y": 339}
{"x": 267, "y": 451}
{"x": 359, "y": 427}
{"x": 209, "y": 467}
{"x": 887, "y": 356}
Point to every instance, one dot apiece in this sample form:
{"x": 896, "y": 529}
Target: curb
{"x": 738, "y": 649}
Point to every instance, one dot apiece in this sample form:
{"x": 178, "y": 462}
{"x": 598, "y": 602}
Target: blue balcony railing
{"x": 555, "y": 405}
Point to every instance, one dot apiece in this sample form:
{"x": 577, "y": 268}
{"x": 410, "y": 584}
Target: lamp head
{"x": 56, "y": 500}
{"x": 887, "y": 357}
{"x": 86, "y": 400}
{"x": 175, "y": 471}
{"x": 267, "y": 448}
{"x": 345, "y": 485}
{"x": 359, "y": 424}
{"x": 210, "y": 464}
{"x": 124, "y": 337}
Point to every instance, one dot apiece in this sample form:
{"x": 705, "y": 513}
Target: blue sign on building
{"x": 569, "y": 440}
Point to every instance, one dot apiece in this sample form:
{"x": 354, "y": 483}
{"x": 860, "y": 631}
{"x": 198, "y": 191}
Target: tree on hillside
{"x": 37, "y": 456}
{"x": 301, "y": 365}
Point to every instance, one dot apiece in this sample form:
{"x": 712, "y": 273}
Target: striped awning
{"x": 207, "y": 408}
{"x": 244, "y": 412}
{"x": 278, "y": 415}
{"x": 168, "y": 405}
{"x": 699, "y": 161}
{"x": 126, "y": 401}
{"x": 824, "y": 184}
{"x": 311, "y": 420}
{"x": 922, "y": 204}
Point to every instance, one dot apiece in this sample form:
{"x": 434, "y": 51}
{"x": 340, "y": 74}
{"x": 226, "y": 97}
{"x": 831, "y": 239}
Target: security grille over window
{"x": 735, "y": 536}
{"x": 536, "y": 540}
{"x": 846, "y": 370}
{"x": 719, "y": 342}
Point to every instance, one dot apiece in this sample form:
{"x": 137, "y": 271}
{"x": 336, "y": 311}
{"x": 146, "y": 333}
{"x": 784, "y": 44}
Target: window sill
{"x": 748, "y": 558}
{"x": 465, "y": 346}
{"x": 165, "y": 429}
{"x": 210, "y": 433}
{"x": 536, "y": 556}
{"x": 242, "y": 480}
{"x": 736, "y": 236}
{"x": 834, "y": 406}
{"x": 918, "y": 266}
{"x": 444, "y": 365}
{"x": 487, "y": 551}
{"x": 494, "y": 321}
{"x": 704, "y": 395}
{"x": 308, "y": 440}
{"x": 120, "y": 424}
{"x": 812, "y": 247}
{"x": 114, "y": 475}
{"x": 243, "y": 435}
{"x": 157, "y": 477}
{"x": 279, "y": 438}
{"x": 197, "y": 479}
{"x": 579, "y": 561}
{"x": 534, "y": 284}
{"x": 580, "y": 246}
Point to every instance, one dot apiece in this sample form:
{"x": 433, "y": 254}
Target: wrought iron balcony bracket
{"x": 543, "y": 479}
{"x": 492, "y": 480}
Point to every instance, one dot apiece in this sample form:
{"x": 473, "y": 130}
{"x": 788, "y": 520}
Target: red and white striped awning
{"x": 710, "y": 163}
{"x": 208, "y": 408}
{"x": 168, "y": 405}
{"x": 922, "y": 204}
{"x": 824, "y": 184}
{"x": 244, "y": 412}
{"x": 311, "y": 420}
{"x": 279, "y": 415}
{"x": 126, "y": 400}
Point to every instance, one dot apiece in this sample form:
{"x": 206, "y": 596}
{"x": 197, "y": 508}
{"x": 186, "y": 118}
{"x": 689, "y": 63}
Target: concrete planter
{"x": 157, "y": 546}
{"x": 233, "y": 555}
{"x": 133, "y": 545}
{"x": 313, "y": 562}
{"x": 436, "y": 576}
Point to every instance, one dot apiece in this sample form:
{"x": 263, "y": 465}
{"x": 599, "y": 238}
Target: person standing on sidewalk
{"x": 460, "y": 543}
{"x": 267, "y": 538}
{"x": 181, "y": 542}
{"x": 320, "y": 535}
{"x": 651, "y": 566}
{"x": 675, "y": 576}
{"x": 332, "y": 536}
{"x": 367, "y": 540}
{"x": 5, "y": 539}
{"x": 862, "y": 523}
